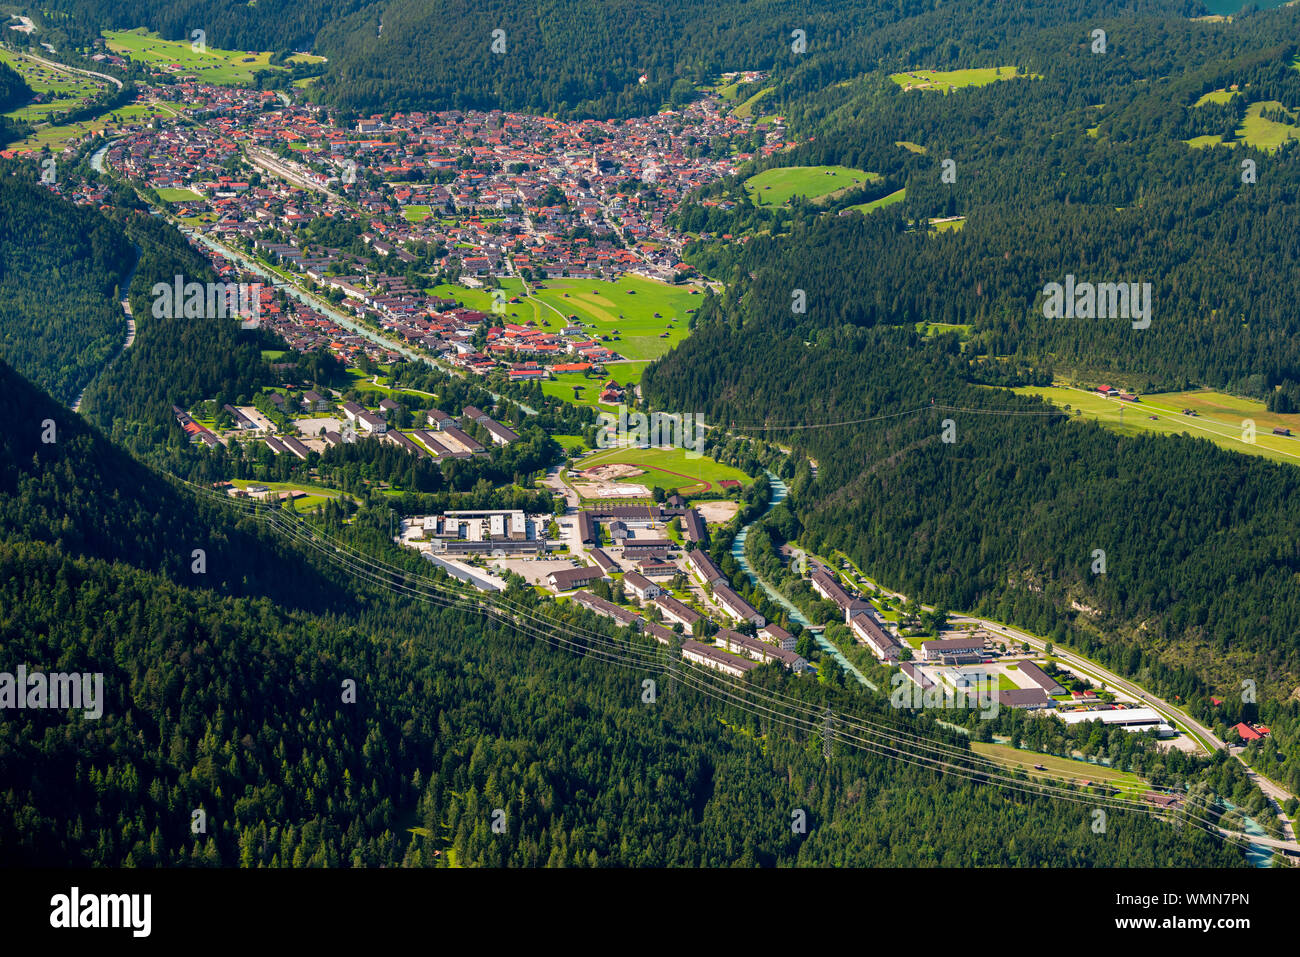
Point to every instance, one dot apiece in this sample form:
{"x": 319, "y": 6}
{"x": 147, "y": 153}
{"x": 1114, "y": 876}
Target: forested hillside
{"x": 1081, "y": 171}
{"x": 59, "y": 268}
{"x": 235, "y": 706}
{"x": 587, "y": 57}
{"x": 14, "y": 91}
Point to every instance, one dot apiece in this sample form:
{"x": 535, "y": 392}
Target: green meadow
{"x": 63, "y": 91}
{"x": 1256, "y": 130}
{"x": 1219, "y": 417}
{"x": 642, "y": 318}
{"x": 897, "y": 196}
{"x": 775, "y": 187}
{"x": 946, "y": 81}
{"x": 210, "y": 65}
{"x": 66, "y": 91}
{"x": 1057, "y": 767}
{"x": 746, "y": 109}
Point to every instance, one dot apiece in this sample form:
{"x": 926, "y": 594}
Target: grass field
{"x": 946, "y": 81}
{"x": 774, "y": 187}
{"x": 416, "y": 213}
{"x": 897, "y": 196}
{"x": 61, "y": 91}
{"x": 1217, "y": 96}
{"x": 1219, "y": 418}
{"x": 317, "y": 494}
{"x": 933, "y": 329}
{"x": 169, "y": 195}
{"x": 668, "y": 468}
{"x": 747, "y": 108}
{"x": 1056, "y": 767}
{"x": 627, "y": 304}
{"x": 64, "y": 91}
{"x": 1267, "y": 134}
{"x": 1255, "y": 130}
{"x": 220, "y": 67}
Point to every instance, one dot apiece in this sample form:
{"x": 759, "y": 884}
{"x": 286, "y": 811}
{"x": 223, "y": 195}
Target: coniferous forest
{"x": 316, "y": 712}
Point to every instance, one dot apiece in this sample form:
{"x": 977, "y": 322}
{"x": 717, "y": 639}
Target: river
{"x": 779, "y": 492}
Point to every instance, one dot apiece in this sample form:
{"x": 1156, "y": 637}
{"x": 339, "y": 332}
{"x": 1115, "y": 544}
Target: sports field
{"x": 210, "y": 65}
{"x": 1220, "y": 418}
{"x": 775, "y": 187}
{"x": 668, "y": 468}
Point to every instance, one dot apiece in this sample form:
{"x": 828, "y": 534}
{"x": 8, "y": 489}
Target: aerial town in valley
{"x": 509, "y": 250}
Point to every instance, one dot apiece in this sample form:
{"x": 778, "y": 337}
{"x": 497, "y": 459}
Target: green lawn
{"x": 1219, "y": 418}
{"x": 897, "y": 196}
{"x": 775, "y": 187}
{"x": 668, "y": 468}
{"x": 212, "y": 65}
{"x": 947, "y": 80}
{"x": 416, "y": 213}
{"x": 933, "y": 329}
